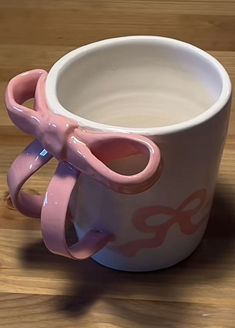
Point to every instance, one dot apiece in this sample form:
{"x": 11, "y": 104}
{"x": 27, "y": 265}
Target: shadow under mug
{"x": 174, "y": 98}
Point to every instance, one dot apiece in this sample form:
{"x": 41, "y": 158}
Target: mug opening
{"x": 139, "y": 84}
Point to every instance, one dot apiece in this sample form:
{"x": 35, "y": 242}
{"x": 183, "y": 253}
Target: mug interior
{"x": 137, "y": 82}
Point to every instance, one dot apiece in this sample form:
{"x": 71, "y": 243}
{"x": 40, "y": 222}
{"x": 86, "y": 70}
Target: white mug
{"x": 166, "y": 90}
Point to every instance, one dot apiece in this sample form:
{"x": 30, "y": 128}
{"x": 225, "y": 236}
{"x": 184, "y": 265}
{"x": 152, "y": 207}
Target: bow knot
{"x": 54, "y": 132}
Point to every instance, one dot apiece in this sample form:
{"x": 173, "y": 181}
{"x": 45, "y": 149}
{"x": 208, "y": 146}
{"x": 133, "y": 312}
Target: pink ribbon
{"x": 77, "y": 150}
{"x": 182, "y": 216}
{"x": 87, "y": 151}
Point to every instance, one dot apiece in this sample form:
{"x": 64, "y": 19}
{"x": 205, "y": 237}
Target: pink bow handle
{"x": 21, "y": 88}
{"x": 53, "y": 208}
{"x": 24, "y": 166}
{"x": 55, "y": 215}
{"x": 88, "y": 152}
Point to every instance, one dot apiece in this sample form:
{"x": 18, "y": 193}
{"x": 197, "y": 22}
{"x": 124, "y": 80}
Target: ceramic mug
{"x": 96, "y": 110}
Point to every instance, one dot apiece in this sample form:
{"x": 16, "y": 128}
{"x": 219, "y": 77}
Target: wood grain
{"x": 39, "y": 289}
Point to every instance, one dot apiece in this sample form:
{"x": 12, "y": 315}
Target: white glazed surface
{"x": 185, "y": 94}
{"x": 137, "y": 87}
{"x": 189, "y": 59}
{"x": 191, "y": 161}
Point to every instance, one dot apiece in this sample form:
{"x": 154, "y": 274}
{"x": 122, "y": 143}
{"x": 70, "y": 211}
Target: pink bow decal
{"x": 182, "y": 216}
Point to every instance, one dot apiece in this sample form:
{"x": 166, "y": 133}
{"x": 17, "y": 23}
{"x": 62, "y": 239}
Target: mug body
{"x": 173, "y": 93}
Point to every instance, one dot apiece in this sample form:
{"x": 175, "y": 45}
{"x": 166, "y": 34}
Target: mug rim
{"x": 56, "y": 106}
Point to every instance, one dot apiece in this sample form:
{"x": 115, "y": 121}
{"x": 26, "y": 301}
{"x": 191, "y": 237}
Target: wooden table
{"x": 39, "y": 289}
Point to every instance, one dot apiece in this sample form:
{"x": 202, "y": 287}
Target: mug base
{"x": 146, "y": 268}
